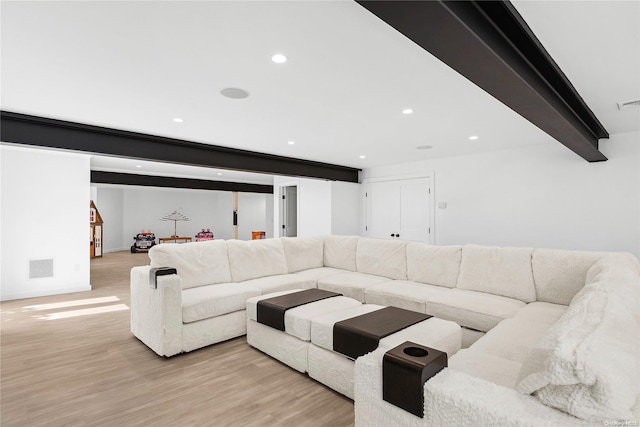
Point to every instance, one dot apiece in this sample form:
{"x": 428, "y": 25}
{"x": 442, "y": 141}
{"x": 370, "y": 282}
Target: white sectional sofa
{"x": 561, "y": 327}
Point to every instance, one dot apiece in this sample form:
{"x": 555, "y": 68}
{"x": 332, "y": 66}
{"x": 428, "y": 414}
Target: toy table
{"x": 176, "y": 239}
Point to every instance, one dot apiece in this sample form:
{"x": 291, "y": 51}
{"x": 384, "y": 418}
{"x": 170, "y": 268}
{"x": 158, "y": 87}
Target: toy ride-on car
{"x": 143, "y": 241}
{"x": 202, "y": 236}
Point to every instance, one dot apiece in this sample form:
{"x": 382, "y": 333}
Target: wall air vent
{"x": 629, "y": 104}
{"x": 40, "y": 268}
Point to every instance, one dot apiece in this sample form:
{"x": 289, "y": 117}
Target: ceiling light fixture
{"x": 219, "y": 173}
{"x": 291, "y": 143}
{"x": 407, "y": 111}
{"x": 178, "y": 120}
{"x": 473, "y": 137}
{"x": 279, "y": 58}
{"x": 138, "y": 166}
{"x": 363, "y": 157}
{"x": 628, "y": 104}
{"x": 234, "y": 93}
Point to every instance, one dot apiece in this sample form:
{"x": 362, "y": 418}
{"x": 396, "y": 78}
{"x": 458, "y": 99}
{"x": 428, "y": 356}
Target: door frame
{"x": 403, "y": 177}
{"x": 281, "y": 212}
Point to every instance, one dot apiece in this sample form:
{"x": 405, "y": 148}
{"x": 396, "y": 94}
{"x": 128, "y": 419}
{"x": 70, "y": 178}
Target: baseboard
{"x": 45, "y": 293}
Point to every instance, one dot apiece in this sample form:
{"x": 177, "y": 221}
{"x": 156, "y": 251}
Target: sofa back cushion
{"x": 303, "y": 253}
{"x": 198, "y": 263}
{"x": 386, "y": 258}
{"x": 340, "y": 252}
{"x": 587, "y": 362}
{"x": 559, "y": 275}
{"x": 434, "y": 265}
{"x": 256, "y": 258}
{"x": 499, "y": 271}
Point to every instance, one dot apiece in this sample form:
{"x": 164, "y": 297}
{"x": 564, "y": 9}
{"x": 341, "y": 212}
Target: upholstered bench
{"x": 307, "y": 342}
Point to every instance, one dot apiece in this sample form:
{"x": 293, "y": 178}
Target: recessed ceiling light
{"x": 291, "y": 143}
{"x": 473, "y": 137}
{"x": 424, "y": 147}
{"x": 234, "y": 93}
{"x": 178, "y": 120}
{"x": 363, "y": 157}
{"x": 279, "y": 58}
{"x": 407, "y": 111}
{"x": 138, "y": 166}
{"x": 219, "y": 173}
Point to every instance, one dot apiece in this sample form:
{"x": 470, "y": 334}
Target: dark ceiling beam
{"x": 101, "y": 177}
{"x": 52, "y": 133}
{"x": 489, "y": 43}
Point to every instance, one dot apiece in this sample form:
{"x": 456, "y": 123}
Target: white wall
{"x": 252, "y": 214}
{"x": 345, "y": 208}
{"x": 110, "y": 203}
{"x": 45, "y": 215}
{"x": 314, "y": 205}
{"x": 538, "y": 196}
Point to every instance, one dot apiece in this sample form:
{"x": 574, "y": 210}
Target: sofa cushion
{"x": 587, "y": 362}
{"x": 303, "y": 253}
{"x": 297, "y": 320}
{"x": 559, "y": 274}
{"x": 402, "y": 293}
{"x": 435, "y": 265}
{"x": 252, "y": 303}
{"x": 316, "y": 274}
{"x": 204, "y": 302}
{"x": 340, "y": 252}
{"x": 541, "y": 312}
{"x": 280, "y": 282}
{"x": 322, "y": 326}
{"x": 198, "y": 263}
{"x": 498, "y": 271}
{"x": 256, "y": 258}
{"x": 350, "y": 284}
{"x": 386, "y": 258}
{"x": 489, "y": 367}
{"x": 475, "y": 310}
{"x": 512, "y": 339}
{"x": 620, "y": 267}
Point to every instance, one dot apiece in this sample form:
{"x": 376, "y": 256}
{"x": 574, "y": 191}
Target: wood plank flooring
{"x": 58, "y": 368}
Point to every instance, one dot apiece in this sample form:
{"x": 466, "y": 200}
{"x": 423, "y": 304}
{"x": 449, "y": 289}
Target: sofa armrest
{"x": 156, "y": 309}
{"x": 451, "y": 398}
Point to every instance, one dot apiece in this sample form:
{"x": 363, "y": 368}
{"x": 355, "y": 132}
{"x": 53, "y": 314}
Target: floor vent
{"x": 40, "y": 268}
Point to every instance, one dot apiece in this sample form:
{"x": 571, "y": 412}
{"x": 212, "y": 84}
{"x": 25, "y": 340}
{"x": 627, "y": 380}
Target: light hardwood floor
{"x": 89, "y": 370}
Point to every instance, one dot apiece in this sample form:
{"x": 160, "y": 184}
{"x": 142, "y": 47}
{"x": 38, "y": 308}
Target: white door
{"x": 289, "y": 211}
{"x": 399, "y": 209}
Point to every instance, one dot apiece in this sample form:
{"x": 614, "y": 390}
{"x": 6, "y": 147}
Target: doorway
{"x": 289, "y": 211}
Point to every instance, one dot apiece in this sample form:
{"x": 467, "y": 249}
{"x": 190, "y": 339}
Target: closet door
{"x": 399, "y": 209}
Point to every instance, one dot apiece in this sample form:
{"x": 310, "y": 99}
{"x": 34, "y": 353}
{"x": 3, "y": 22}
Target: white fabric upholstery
{"x": 434, "y": 265}
{"x": 156, "y": 314}
{"x": 213, "y": 330}
{"x": 316, "y": 274}
{"x": 386, "y": 258}
{"x": 618, "y": 267}
{"x": 487, "y": 366}
{"x": 402, "y": 293}
{"x": 340, "y": 252}
{"x": 587, "y": 363}
{"x": 322, "y": 326}
{"x": 350, "y": 285}
{"x": 470, "y": 336}
{"x": 331, "y": 369}
{"x": 303, "y": 253}
{"x": 475, "y": 310}
{"x": 252, "y": 303}
{"x": 204, "y": 302}
{"x": 255, "y": 258}
{"x": 559, "y": 274}
{"x": 512, "y": 339}
{"x": 279, "y": 345}
{"x": 498, "y": 271}
{"x": 282, "y": 282}
{"x": 297, "y": 320}
{"x": 541, "y": 312}
{"x": 452, "y": 398}
{"x": 436, "y": 333}
{"x": 198, "y": 263}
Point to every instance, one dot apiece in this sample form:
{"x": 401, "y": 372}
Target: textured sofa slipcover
{"x": 542, "y": 351}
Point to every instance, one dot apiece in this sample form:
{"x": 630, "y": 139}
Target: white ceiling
{"x": 137, "y": 65}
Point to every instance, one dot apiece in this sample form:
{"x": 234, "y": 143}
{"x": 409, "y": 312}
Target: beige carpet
{"x": 76, "y": 363}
